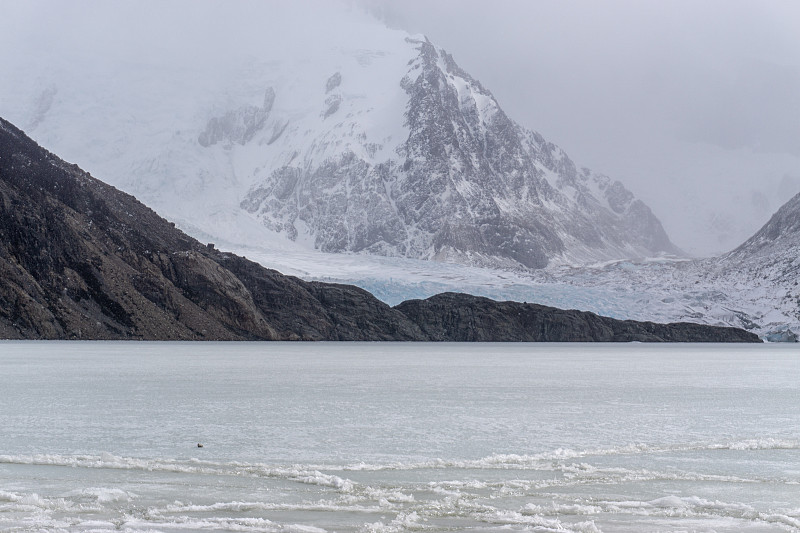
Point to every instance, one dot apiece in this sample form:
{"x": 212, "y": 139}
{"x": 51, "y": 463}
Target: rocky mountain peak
{"x": 464, "y": 183}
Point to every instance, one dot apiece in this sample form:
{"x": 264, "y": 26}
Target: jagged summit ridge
{"x": 466, "y": 184}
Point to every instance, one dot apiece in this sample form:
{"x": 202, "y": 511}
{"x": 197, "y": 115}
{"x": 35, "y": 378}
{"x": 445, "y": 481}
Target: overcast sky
{"x": 725, "y": 72}
{"x": 691, "y": 102}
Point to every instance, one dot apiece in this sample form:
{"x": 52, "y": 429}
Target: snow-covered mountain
{"x": 754, "y": 286}
{"x": 458, "y": 181}
{"x": 374, "y": 142}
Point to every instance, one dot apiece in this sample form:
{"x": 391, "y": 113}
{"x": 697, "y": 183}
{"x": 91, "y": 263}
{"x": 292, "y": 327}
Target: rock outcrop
{"x": 81, "y": 260}
{"x": 463, "y": 317}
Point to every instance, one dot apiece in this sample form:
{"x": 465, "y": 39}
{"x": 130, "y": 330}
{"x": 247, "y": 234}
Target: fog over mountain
{"x": 695, "y": 107}
{"x": 361, "y": 139}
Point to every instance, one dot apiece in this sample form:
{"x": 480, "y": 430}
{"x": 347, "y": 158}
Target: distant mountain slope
{"x": 779, "y": 235}
{"x": 374, "y": 142}
{"x": 765, "y": 271}
{"x": 81, "y": 260}
{"x": 756, "y": 286}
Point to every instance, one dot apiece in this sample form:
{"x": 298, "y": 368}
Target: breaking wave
{"x": 311, "y": 474}
{"x": 564, "y": 490}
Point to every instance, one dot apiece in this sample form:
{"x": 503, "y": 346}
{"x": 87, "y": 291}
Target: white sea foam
{"x": 299, "y": 528}
{"x": 541, "y": 523}
{"x": 185, "y": 523}
{"x": 287, "y": 449}
{"x": 240, "y": 507}
{"x": 102, "y": 495}
{"x": 668, "y": 506}
{"x": 312, "y": 474}
{"x": 760, "y": 444}
{"x": 106, "y": 460}
{"x": 541, "y": 460}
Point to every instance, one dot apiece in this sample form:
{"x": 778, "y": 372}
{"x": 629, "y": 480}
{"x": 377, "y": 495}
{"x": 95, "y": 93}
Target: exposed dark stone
{"x": 333, "y": 82}
{"x": 80, "y": 259}
{"x": 332, "y": 104}
{"x": 463, "y": 317}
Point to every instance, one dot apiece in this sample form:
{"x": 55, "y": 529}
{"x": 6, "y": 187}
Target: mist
{"x": 694, "y": 106}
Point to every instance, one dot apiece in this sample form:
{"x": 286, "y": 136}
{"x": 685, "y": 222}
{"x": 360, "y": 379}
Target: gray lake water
{"x": 311, "y": 437}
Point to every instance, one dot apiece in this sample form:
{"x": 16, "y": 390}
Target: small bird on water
{"x": 199, "y": 445}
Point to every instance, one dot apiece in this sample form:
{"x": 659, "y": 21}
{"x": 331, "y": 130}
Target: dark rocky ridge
{"x": 81, "y": 260}
{"x": 463, "y": 317}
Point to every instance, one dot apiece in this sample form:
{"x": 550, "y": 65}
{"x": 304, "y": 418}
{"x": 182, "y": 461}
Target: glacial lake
{"x": 312, "y": 437}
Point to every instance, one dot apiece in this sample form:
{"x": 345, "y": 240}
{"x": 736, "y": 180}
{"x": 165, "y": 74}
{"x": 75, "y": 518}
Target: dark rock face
{"x": 333, "y": 82}
{"x": 462, "y": 317}
{"x": 81, "y": 260}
